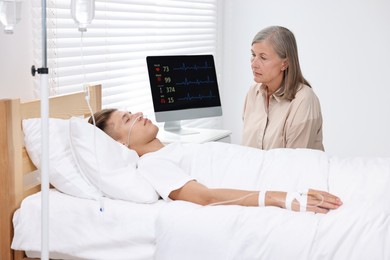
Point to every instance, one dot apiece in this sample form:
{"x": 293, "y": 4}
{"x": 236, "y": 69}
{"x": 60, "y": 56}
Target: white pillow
{"x": 64, "y": 174}
{"x": 109, "y": 165}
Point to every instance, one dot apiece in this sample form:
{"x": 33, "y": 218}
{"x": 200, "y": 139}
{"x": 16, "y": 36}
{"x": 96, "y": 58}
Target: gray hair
{"x": 284, "y": 44}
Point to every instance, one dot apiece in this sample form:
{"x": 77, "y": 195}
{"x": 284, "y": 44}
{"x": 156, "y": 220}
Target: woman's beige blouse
{"x": 285, "y": 124}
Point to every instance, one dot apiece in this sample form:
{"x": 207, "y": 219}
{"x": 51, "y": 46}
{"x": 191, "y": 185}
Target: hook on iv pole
{"x": 39, "y": 70}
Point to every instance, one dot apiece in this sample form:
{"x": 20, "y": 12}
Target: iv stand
{"x": 44, "y": 71}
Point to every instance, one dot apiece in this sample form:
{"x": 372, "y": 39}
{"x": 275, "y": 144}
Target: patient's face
{"x": 132, "y": 129}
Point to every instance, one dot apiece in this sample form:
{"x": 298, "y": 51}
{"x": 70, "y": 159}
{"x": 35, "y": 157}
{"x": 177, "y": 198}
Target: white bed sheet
{"x": 78, "y": 230}
{"x": 358, "y": 230}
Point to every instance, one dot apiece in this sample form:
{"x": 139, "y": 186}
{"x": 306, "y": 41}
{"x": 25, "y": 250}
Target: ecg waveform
{"x": 187, "y": 82}
{"x": 206, "y": 66}
{"x": 199, "y": 97}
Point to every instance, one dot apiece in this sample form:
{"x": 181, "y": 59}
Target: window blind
{"x": 113, "y": 50}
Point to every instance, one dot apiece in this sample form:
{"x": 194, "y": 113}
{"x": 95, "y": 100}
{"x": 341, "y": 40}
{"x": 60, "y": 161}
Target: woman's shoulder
{"x": 305, "y": 93}
{"x": 306, "y": 99}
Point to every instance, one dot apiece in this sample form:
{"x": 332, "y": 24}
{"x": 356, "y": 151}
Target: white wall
{"x": 344, "y": 49}
{"x": 344, "y": 53}
{"x": 16, "y": 59}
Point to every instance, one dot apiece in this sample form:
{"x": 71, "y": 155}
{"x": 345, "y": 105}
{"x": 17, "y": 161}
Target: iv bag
{"x": 10, "y": 14}
{"x": 83, "y": 11}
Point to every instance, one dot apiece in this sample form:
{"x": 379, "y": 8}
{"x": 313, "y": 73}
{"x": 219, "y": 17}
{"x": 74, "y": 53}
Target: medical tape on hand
{"x": 290, "y": 196}
{"x": 301, "y": 197}
{"x": 262, "y": 198}
{"x": 303, "y": 201}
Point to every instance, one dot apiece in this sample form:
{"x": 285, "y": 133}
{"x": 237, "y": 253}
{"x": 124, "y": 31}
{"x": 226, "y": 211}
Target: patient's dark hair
{"x": 101, "y": 118}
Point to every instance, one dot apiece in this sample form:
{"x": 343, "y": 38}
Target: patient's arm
{"x": 197, "y": 193}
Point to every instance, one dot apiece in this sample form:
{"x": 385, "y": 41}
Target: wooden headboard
{"x": 15, "y": 164}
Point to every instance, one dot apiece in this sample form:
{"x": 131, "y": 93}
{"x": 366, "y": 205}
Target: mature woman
{"x": 281, "y": 109}
{"x": 140, "y": 134}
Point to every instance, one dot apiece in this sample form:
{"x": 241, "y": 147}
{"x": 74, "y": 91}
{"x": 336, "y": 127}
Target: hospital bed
{"x": 359, "y": 229}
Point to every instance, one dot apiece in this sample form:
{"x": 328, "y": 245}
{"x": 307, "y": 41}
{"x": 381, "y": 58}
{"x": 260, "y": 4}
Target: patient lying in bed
{"x": 174, "y": 181}
{"x": 149, "y": 228}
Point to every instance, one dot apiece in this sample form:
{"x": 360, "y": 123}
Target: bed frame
{"x": 15, "y": 165}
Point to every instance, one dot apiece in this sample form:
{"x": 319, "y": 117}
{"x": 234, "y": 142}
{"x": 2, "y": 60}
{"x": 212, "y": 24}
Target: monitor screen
{"x": 183, "y": 87}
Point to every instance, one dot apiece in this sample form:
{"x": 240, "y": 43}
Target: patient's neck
{"x": 150, "y": 147}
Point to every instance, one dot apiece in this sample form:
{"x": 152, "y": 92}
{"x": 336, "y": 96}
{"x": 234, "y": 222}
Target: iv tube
{"x": 83, "y": 11}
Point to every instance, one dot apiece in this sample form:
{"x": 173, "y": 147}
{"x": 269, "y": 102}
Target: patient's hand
{"x": 320, "y": 202}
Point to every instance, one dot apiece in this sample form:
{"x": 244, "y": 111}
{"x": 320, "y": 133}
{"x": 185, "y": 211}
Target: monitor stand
{"x": 175, "y": 128}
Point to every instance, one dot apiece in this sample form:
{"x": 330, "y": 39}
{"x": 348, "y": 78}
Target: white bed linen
{"x": 78, "y": 230}
{"x": 360, "y": 229}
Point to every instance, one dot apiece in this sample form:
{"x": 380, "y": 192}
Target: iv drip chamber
{"x": 10, "y": 14}
{"x": 83, "y": 11}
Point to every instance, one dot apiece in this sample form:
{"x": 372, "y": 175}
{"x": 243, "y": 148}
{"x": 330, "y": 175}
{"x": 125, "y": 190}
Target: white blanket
{"x": 78, "y": 230}
{"x": 360, "y": 229}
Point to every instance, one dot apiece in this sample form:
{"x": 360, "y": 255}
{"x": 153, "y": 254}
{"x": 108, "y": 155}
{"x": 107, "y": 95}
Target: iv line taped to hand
{"x": 300, "y": 197}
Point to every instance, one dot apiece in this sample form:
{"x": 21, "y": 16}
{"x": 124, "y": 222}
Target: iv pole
{"x": 44, "y": 71}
